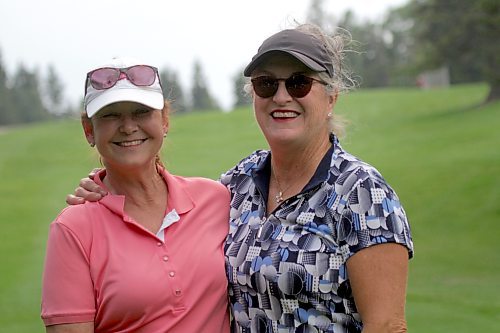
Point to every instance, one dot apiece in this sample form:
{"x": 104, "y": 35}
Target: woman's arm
{"x": 71, "y": 328}
{"x": 378, "y": 276}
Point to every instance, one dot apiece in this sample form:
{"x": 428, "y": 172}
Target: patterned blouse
{"x": 287, "y": 269}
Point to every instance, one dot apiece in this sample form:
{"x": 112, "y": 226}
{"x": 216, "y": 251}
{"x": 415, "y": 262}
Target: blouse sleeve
{"x": 372, "y": 215}
{"x": 67, "y": 290}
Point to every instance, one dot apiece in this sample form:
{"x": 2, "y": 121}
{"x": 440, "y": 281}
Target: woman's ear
{"x": 333, "y": 98}
{"x": 88, "y": 130}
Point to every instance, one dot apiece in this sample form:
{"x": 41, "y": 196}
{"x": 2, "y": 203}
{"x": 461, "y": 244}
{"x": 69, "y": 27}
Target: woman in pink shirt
{"x": 149, "y": 256}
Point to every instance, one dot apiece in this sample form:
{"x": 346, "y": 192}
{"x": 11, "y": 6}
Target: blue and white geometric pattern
{"x": 287, "y": 270}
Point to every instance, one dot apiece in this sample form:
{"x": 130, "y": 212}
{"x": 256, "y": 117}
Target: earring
{"x": 165, "y": 134}
{"x": 329, "y": 115}
{"x": 92, "y": 144}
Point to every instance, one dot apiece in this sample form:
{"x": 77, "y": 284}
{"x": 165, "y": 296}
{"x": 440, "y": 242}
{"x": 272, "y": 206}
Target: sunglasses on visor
{"x": 297, "y": 85}
{"x": 107, "y": 77}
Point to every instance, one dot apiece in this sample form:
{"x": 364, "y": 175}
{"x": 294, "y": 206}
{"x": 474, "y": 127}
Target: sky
{"x": 223, "y": 35}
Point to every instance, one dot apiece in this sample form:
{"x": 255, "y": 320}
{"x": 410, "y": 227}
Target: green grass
{"x": 437, "y": 148}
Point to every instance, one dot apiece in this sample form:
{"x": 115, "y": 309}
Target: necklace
{"x": 279, "y": 196}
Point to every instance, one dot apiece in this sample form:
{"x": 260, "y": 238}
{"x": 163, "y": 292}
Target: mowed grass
{"x": 437, "y": 149}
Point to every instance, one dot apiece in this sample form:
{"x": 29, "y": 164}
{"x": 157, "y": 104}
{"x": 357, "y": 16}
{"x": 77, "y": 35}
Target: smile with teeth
{"x": 130, "y": 143}
{"x": 284, "y": 114}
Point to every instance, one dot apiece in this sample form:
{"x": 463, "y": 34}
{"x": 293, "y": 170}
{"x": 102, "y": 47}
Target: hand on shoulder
{"x": 88, "y": 190}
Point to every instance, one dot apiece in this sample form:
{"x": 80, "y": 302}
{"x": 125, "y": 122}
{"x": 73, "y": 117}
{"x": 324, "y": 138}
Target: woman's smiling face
{"x": 128, "y": 134}
{"x": 284, "y": 119}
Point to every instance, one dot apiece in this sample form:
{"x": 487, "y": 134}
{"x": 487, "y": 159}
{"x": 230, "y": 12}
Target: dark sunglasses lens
{"x": 298, "y": 86}
{"x": 141, "y": 75}
{"x": 104, "y": 78}
{"x": 265, "y": 86}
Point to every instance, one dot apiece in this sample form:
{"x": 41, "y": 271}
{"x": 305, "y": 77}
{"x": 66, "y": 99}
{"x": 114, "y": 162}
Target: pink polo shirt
{"x": 102, "y": 266}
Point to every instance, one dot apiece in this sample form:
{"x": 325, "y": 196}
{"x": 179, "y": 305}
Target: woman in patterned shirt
{"x": 318, "y": 241}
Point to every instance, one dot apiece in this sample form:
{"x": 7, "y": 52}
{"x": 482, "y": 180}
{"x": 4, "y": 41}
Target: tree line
{"x": 27, "y": 96}
{"x": 459, "y": 35}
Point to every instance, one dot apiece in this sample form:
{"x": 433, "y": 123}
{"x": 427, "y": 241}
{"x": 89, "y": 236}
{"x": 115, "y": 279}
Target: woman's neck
{"x": 289, "y": 162}
{"x": 139, "y": 185}
{"x": 291, "y": 170}
{"x": 145, "y": 194}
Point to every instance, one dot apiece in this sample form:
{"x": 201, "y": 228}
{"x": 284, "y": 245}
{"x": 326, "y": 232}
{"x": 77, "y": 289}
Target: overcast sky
{"x": 223, "y": 35}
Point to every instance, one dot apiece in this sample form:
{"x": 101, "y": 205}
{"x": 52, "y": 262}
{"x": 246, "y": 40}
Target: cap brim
{"x": 152, "y": 99}
{"x": 308, "y": 62}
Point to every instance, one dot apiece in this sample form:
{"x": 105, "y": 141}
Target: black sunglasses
{"x": 297, "y": 85}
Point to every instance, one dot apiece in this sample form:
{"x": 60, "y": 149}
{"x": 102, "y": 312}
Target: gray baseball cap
{"x": 304, "y": 47}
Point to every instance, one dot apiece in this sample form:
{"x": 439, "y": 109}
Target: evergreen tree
{"x": 54, "y": 92}
{"x": 396, "y": 27}
{"x": 371, "y": 54}
{"x": 26, "y": 97}
{"x": 201, "y": 98}
{"x": 317, "y": 15}
{"x": 172, "y": 90}
{"x": 240, "y": 96}
{"x": 378, "y": 54}
{"x": 7, "y": 112}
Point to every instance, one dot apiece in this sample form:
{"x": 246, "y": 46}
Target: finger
{"x": 87, "y": 195}
{"x": 74, "y": 200}
{"x": 94, "y": 172}
{"x": 89, "y": 185}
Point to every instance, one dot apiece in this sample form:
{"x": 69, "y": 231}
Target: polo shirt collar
{"x": 114, "y": 203}
{"x": 262, "y": 173}
{"x": 178, "y": 197}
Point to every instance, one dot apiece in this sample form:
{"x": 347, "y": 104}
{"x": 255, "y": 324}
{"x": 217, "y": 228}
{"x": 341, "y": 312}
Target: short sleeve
{"x": 67, "y": 290}
{"x": 373, "y": 214}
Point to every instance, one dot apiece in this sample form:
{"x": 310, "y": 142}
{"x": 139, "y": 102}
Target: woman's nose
{"x": 128, "y": 125}
{"x": 281, "y": 96}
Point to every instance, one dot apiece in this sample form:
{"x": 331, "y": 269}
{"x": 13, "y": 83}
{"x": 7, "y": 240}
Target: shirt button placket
{"x": 177, "y": 289}
{"x": 172, "y": 276}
